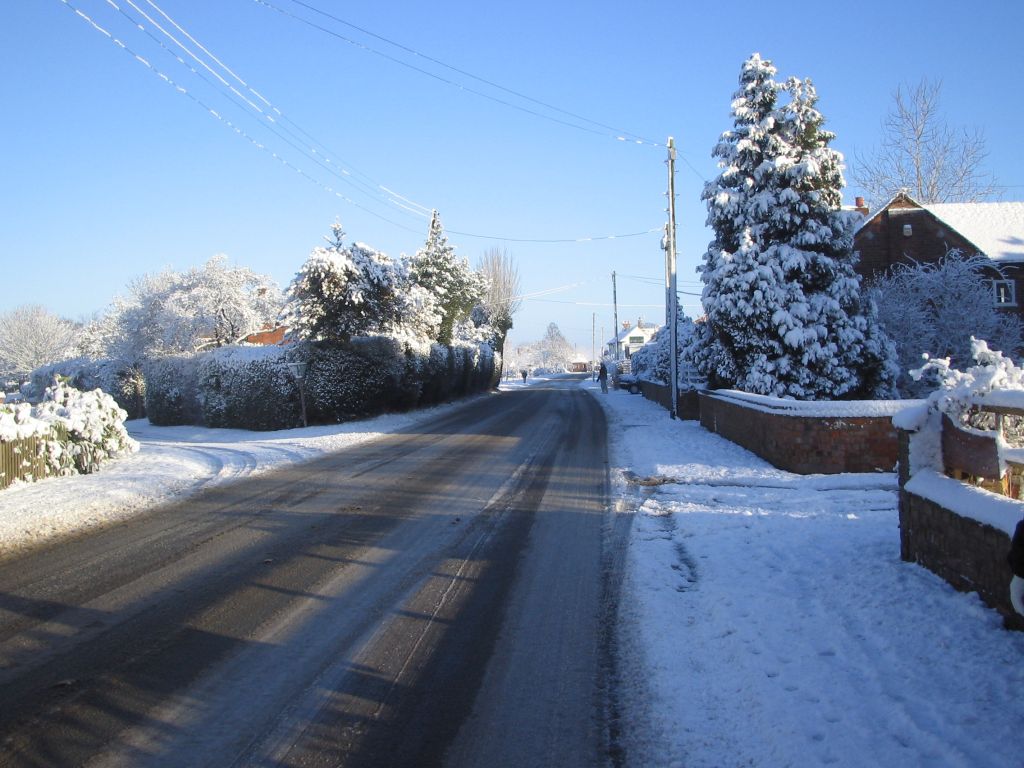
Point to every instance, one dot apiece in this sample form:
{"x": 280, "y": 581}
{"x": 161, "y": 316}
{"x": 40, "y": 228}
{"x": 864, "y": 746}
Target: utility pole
{"x": 593, "y": 339}
{"x": 615, "y": 303}
{"x": 668, "y": 278}
{"x": 673, "y": 296}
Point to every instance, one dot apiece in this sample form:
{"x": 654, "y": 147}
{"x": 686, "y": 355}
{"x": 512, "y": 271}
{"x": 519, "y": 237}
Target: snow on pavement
{"x": 767, "y": 619}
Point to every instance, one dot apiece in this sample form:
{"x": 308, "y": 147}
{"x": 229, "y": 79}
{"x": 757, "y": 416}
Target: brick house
{"x": 904, "y": 231}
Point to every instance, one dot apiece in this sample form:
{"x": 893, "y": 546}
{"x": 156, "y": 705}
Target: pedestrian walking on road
{"x": 523, "y": 372}
{"x": 602, "y": 376}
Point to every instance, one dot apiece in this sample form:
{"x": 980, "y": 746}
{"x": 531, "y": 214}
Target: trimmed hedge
{"x": 247, "y": 387}
{"x": 172, "y": 390}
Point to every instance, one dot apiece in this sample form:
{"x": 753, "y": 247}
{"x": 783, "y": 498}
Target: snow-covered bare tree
{"x": 454, "y": 285}
{"x": 922, "y": 153}
{"x": 343, "y": 291}
{"x": 224, "y": 304}
{"x": 170, "y": 312}
{"x": 31, "y": 336}
{"x": 501, "y": 301}
{"x": 935, "y": 309}
{"x": 554, "y": 349}
{"x": 785, "y": 313}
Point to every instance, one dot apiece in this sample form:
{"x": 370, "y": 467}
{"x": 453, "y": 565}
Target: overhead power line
{"x": 618, "y": 133}
{"x": 219, "y": 117}
{"x": 277, "y": 123}
{"x": 592, "y": 126}
{"x": 274, "y": 124}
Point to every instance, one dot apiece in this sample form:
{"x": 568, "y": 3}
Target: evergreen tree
{"x": 456, "y": 288}
{"x": 785, "y": 314}
{"x": 343, "y": 291}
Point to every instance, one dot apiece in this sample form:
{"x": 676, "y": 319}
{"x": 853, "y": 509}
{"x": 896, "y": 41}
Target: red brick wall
{"x": 968, "y": 554}
{"x": 804, "y": 444}
{"x": 687, "y": 406}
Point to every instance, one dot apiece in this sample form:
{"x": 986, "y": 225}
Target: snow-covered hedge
{"x": 172, "y": 390}
{"x": 246, "y": 387}
{"x": 76, "y": 431}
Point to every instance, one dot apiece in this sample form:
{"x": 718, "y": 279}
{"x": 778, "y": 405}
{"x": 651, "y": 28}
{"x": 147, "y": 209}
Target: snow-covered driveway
{"x": 768, "y": 620}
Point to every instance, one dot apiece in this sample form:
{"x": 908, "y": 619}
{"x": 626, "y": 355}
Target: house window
{"x": 1004, "y": 293}
{"x": 636, "y": 339}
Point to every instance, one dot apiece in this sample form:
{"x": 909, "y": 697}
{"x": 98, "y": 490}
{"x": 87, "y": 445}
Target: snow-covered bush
{"x": 936, "y": 308}
{"x": 248, "y": 388}
{"x": 785, "y": 315}
{"x": 994, "y": 380}
{"x": 77, "y": 431}
{"x": 125, "y": 384}
{"x": 652, "y": 362}
{"x": 172, "y": 390}
{"x": 960, "y": 391}
{"x": 92, "y": 424}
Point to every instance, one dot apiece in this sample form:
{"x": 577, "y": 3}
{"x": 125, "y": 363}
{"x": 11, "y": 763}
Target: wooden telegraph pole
{"x": 673, "y": 296}
{"x": 615, "y": 303}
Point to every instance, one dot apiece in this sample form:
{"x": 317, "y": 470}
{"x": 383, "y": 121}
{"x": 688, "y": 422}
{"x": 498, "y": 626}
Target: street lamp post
{"x": 298, "y": 370}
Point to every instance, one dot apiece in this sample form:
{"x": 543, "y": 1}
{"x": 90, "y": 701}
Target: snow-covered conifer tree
{"x": 785, "y": 314}
{"x": 455, "y": 286}
{"x": 342, "y": 291}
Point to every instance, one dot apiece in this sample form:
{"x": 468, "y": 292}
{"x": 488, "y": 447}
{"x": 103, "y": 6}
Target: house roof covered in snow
{"x": 996, "y": 228}
{"x": 642, "y": 329}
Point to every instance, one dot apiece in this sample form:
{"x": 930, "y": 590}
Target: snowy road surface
{"x": 766, "y": 619}
{"x": 432, "y": 597}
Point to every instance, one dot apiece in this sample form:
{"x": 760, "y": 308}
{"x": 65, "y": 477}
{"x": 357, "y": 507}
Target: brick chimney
{"x": 626, "y": 325}
{"x": 858, "y": 205}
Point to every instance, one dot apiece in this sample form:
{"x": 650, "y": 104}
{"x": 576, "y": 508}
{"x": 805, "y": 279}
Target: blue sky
{"x": 110, "y": 173}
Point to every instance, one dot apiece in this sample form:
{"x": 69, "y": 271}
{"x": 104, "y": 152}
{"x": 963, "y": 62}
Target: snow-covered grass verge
{"x": 767, "y": 619}
{"x": 172, "y": 462}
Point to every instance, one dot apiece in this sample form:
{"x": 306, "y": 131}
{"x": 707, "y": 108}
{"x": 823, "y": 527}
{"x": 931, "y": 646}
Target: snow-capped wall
{"x": 820, "y": 437}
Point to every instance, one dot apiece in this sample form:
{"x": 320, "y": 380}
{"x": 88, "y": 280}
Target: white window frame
{"x": 1011, "y": 287}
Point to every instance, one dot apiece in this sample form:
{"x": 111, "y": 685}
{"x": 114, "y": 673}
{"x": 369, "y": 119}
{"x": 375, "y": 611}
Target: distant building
{"x": 268, "y": 336}
{"x": 631, "y": 338}
{"x": 579, "y": 364}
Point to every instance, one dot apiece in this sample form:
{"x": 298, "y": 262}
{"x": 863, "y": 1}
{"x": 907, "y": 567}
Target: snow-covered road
{"x": 767, "y": 619}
